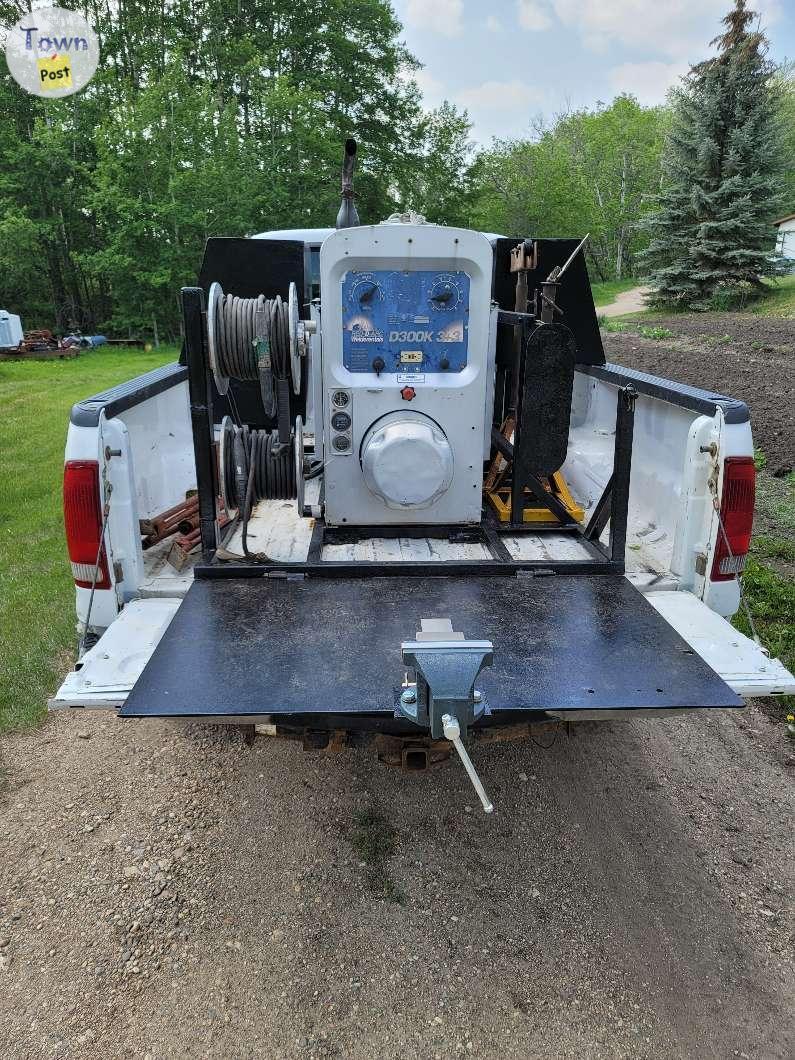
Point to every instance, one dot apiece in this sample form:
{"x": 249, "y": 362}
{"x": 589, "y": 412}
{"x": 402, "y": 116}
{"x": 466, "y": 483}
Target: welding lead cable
{"x": 254, "y": 469}
{"x": 234, "y": 337}
{"x": 250, "y": 455}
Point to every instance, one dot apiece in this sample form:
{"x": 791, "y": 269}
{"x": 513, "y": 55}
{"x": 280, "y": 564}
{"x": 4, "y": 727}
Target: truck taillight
{"x": 737, "y": 515}
{"x": 82, "y": 512}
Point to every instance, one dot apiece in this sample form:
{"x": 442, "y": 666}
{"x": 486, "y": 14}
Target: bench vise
{"x": 447, "y": 666}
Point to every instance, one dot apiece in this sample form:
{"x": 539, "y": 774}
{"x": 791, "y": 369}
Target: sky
{"x": 509, "y": 61}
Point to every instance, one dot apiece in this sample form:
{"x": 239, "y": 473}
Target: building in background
{"x": 785, "y": 240}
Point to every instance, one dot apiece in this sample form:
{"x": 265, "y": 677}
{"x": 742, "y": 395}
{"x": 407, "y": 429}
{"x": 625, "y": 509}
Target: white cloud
{"x": 436, "y": 16}
{"x": 770, "y": 10}
{"x": 675, "y": 28}
{"x": 500, "y": 108}
{"x": 498, "y": 94}
{"x": 431, "y": 87}
{"x": 493, "y": 24}
{"x": 532, "y": 15}
{"x": 648, "y": 81}
{"x": 669, "y": 27}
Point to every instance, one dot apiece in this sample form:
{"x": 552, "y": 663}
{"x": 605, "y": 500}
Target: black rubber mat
{"x": 332, "y": 646}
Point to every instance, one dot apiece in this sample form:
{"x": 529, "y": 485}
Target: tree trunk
{"x": 621, "y": 230}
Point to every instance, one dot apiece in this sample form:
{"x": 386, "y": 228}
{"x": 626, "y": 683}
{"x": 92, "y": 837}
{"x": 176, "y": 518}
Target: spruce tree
{"x": 712, "y": 229}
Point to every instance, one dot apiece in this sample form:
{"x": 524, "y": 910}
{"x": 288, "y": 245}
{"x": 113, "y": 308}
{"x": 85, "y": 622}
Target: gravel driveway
{"x": 173, "y": 892}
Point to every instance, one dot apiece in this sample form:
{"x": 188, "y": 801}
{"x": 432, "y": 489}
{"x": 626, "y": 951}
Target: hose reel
{"x": 258, "y": 340}
{"x": 253, "y": 467}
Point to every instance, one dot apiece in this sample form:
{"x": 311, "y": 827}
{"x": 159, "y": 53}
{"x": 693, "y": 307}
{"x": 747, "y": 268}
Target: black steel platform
{"x": 332, "y": 647}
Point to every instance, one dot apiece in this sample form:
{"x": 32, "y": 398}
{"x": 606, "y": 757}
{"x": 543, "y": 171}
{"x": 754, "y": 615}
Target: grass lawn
{"x": 778, "y": 302}
{"x": 605, "y": 293}
{"x": 771, "y": 601}
{"x": 781, "y": 300}
{"x": 37, "y": 619}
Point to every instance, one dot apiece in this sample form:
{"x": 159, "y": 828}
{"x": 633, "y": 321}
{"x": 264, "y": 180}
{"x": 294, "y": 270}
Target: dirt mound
{"x": 737, "y": 354}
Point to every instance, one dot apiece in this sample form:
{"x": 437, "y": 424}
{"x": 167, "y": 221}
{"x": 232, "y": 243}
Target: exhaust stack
{"x": 347, "y": 216}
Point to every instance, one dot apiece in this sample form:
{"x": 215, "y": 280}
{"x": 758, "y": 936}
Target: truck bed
{"x": 670, "y": 521}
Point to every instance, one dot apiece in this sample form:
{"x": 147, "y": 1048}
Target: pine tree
{"x": 722, "y": 166}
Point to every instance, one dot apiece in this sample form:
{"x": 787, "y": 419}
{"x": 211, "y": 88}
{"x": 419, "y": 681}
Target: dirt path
{"x": 171, "y": 892}
{"x": 631, "y": 301}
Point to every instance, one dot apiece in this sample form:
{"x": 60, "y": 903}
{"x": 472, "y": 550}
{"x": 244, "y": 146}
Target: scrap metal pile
{"x": 39, "y": 344}
{"x": 180, "y": 523}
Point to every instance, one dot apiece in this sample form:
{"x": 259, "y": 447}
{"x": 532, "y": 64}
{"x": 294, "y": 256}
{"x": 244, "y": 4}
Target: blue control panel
{"x": 405, "y": 323}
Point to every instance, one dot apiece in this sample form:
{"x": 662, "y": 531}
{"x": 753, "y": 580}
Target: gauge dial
{"x": 445, "y": 293}
{"x": 366, "y": 292}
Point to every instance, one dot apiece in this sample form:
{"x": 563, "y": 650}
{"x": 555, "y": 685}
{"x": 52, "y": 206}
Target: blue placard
{"x": 405, "y": 322}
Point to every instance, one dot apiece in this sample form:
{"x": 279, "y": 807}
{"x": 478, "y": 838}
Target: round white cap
{"x": 407, "y": 460}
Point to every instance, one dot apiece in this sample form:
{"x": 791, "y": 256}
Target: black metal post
{"x": 601, "y": 513}
{"x": 193, "y": 315}
{"x": 517, "y": 481}
{"x": 622, "y": 467}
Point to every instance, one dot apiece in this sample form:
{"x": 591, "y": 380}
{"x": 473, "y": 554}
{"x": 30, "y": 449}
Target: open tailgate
{"x": 741, "y": 663}
{"x": 107, "y": 672}
{"x": 311, "y": 646}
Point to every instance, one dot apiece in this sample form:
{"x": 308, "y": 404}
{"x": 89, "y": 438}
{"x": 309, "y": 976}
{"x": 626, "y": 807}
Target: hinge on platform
{"x": 521, "y": 575}
{"x": 286, "y": 575}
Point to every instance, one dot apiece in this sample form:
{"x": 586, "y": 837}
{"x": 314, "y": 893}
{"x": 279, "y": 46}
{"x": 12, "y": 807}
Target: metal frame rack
{"x": 612, "y": 506}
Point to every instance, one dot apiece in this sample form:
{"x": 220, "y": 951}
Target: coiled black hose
{"x": 249, "y": 458}
{"x": 236, "y": 328}
{"x": 256, "y": 467}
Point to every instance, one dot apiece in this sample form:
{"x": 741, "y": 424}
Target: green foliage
{"x": 441, "y": 186}
{"x": 611, "y": 325}
{"x": 777, "y": 298}
{"x": 21, "y": 254}
{"x": 771, "y": 599}
{"x": 207, "y": 119}
{"x": 783, "y": 87}
{"x": 722, "y": 168}
{"x": 775, "y": 502}
{"x": 768, "y": 584}
{"x": 760, "y": 459}
{"x": 655, "y": 331}
{"x": 782, "y": 548}
{"x": 37, "y": 602}
{"x": 590, "y": 171}
{"x": 772, "y": 297}
{"x": 734, "y": 299}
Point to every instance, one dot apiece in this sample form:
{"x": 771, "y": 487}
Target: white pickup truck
{"x": 130, "y": 455}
